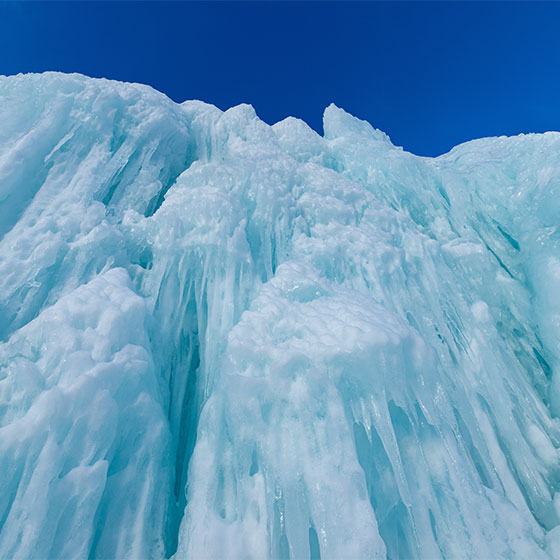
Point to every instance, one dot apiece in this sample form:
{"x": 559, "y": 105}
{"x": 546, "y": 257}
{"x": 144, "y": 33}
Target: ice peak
{"x": 337, "y": 123}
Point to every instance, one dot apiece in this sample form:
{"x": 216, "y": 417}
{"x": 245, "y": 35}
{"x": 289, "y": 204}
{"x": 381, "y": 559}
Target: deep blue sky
{"x": 431, "y": 75}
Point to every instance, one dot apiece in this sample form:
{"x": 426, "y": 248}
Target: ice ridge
{"x": 223, "y": 339}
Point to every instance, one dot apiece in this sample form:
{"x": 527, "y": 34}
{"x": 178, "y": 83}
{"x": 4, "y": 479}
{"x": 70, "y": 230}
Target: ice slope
{"x": 221, "y": 339}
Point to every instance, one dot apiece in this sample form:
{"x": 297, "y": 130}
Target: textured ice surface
{"x": 221, "y": 339}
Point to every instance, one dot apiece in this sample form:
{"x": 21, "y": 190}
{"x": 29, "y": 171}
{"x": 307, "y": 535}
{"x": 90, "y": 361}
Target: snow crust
{"x": 221, "y": 339}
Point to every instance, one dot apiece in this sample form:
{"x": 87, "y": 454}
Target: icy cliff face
{"x": 221, "y": 339}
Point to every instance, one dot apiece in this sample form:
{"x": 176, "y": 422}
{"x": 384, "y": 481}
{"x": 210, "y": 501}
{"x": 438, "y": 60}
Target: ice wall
{"x": 221, "y": 339}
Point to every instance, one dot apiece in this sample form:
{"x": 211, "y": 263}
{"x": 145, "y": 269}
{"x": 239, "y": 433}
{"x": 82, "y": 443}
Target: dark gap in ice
{"x": 254, "y": 463}
{"x": 543, "y": 363}
{"x": 513, "y": 242}
{"x": 314, "y": 548}
{"x": 499, "y": 260}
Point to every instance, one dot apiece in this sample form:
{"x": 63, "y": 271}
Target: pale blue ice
{"x": 225, "y": 340}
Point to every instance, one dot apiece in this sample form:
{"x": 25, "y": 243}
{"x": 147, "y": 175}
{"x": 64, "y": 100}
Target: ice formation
{"x": 222, "y": 339}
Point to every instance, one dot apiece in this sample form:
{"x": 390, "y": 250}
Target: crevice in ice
{"x": 472, "y": 451}
{"x": 187, "y": 399}
{"x": 284, "y": 548}
{"x": 314, "y": 548}
{"x": 545, "y": 366}
{"x": 500, "y": 262}
{"x": 513, "y": 242}
{"x": 395, "y": 534}
{"x": 168, "y": 181}
{"x": 383, "y": 491}
{"x": 143, "y": 257}
{"x": 254, "y": 463}
{"x": 402, "y": 528}
{"x": 126, "y": 174}
{"x": 185, "y": 403}
{"x": 219, "y": 499}
{"x": 445, "y": 196}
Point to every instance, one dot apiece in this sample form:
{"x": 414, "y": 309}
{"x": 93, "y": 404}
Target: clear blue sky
{"x": 431, "y": 75}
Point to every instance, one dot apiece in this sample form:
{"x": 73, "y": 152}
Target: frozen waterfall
{"x": 223, "y": 340}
